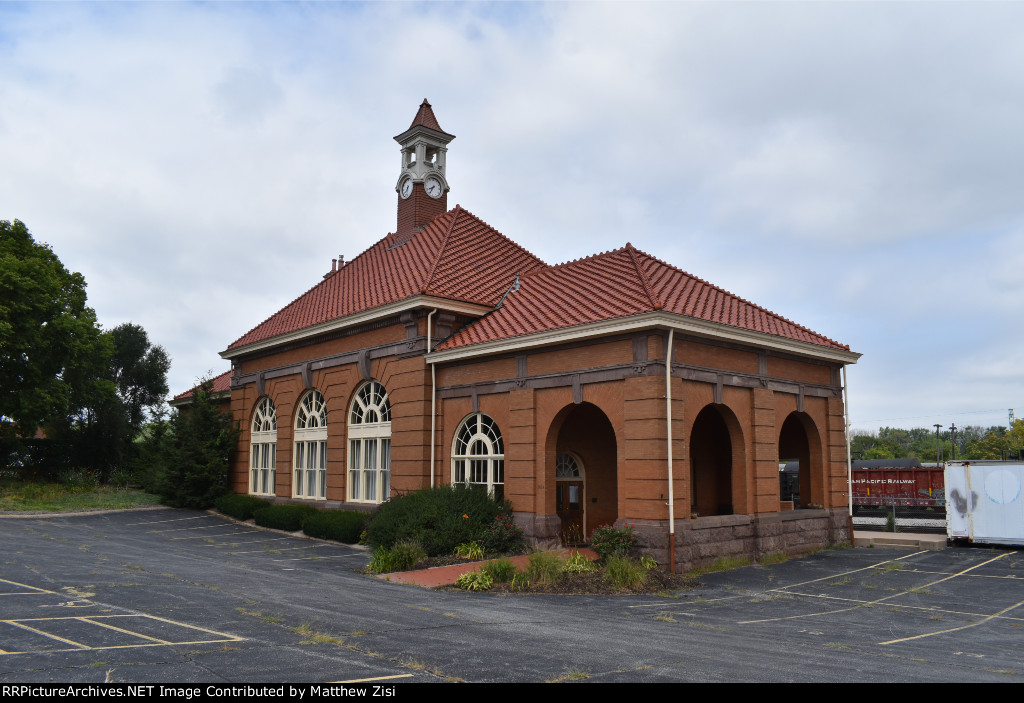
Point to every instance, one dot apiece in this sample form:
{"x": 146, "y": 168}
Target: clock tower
{"x": 422, "y": 184}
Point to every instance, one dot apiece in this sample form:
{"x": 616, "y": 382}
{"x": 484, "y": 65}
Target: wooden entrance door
{"x": 569, "y": 497}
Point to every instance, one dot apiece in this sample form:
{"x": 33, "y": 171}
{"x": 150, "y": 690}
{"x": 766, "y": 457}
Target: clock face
{"x": 406, "y": 188}
{"x": 433, "y": 186}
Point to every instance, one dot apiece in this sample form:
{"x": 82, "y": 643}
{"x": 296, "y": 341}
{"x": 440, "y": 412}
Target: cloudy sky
{"x": 855, "y": 167}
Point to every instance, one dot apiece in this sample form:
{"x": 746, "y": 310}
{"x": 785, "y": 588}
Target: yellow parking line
{"x": 956, "y": 629}
{"x": 229, "y": 534}
{"x": 875, "y": 602}
{"x": 375, "y": 678}
{"x": 47, "y": 634}
{"x": 177, "y": 519}
{"x": 127, "y": 632}
{"x": 845, "y": 573}
{"x": 226, "y": 636}
{"x": 186, "y": 529}
{"x": 25, "y": 585}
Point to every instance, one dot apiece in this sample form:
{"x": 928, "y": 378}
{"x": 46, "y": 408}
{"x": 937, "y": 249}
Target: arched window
{"x": 369, "y": 445}
{"x": 478, "y": 455}
{"x": 310, "y": 448}
{"x": 263, "y": 449}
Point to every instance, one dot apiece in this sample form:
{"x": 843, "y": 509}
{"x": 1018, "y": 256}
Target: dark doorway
{"x": 586, "y": 487}
{"x": 711, "y": 464}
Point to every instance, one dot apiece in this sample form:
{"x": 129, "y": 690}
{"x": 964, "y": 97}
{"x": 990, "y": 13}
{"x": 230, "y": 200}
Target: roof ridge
{"x": 655, "y": 303}
{"x": 445, "y": 238}
{"x": 552, "y": 267}
{"x": 765, "y": 310}
{"x": 498, "y": 232}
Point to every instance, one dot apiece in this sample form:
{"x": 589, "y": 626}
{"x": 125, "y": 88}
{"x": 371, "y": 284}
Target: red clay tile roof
{"x": 618, "y": 284}
{"x": 425, "y": 117}
{"x": 221, "y": 384}
{"x": 457, "y": 256}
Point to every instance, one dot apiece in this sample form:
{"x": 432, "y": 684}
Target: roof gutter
{"x": 658, "y": 319}
{"x": 359, "y": 318}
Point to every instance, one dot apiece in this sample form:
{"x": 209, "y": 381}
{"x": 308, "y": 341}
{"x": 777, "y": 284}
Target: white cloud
{"x": 854, "y": 167}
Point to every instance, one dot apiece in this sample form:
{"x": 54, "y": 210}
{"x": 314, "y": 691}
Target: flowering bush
{"x": 503, "y": 535}
{"x": 607, "y": 540}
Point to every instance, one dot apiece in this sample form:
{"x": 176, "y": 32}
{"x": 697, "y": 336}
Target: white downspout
{"x": 433, "y": 401}
{"x": 671, "y": 493}
{"x": 849, "y": 463}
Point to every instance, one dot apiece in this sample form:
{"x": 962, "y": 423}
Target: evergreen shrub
{"x": 289, "y": 518}
{"x": 240, "y": 507}
{"x": 338, "y": 525}
{"x": 438, "y": 518}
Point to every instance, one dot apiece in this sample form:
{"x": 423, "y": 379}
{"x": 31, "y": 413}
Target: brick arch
{"x": 800, "y": 440}
{"x": 717, "y": 462}
{"x": 586, "y": 431}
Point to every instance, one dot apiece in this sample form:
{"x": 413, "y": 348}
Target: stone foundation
{"x": 703, "y": 540}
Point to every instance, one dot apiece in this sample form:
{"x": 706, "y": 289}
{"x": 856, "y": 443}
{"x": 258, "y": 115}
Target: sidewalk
{"x": 446, "y": 575}
{"x": 910, "y": 540}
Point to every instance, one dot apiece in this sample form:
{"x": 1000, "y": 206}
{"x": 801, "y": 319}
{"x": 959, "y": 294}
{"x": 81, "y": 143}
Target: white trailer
{"x": 983, "y": 501}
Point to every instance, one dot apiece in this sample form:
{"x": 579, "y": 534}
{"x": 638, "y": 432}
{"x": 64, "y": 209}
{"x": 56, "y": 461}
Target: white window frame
{"x": 263, "y": 449}
{"x": 309, "y": 474}
{"x": 478, "y": 455}
{"x": 369, "y": 445}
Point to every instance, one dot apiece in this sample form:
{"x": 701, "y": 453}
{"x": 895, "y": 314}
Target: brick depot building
{"x": 448, "y": 353}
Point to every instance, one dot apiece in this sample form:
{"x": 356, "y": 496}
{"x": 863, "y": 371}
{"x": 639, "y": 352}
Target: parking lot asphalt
{"x": 183, "y": 596}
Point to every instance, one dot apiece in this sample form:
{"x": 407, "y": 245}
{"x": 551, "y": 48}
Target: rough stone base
{"x": 703, "y": 540}
{"x": 541, "y": 531}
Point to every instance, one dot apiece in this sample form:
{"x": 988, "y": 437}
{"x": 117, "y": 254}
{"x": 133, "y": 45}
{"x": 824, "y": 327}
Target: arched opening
{"x": 799, "y": 445}
{"x": 584, "y": 468}
{"x": 369, "y": 445}
{"x": 310, "y": 476}
{"x": 263, "y": 449}
{"x": 711, "y": 464}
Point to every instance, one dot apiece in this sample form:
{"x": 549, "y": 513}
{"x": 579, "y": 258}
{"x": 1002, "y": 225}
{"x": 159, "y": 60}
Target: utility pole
{"x": 952, "y": 432}
{"x": 938, "y": 445}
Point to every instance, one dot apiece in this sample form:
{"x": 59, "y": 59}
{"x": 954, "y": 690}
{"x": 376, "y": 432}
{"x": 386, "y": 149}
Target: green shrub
{"x": 240, "y": 507}
{"x": 283, "y": 517}
{"x": 519, "y": 582}
{"x": 607, "y": 540}
{"x": 500, "y": 570}
{"x": 648, "y": 562}
{"x": 402, "y": 556}
{"x": 623, "y": 572}
{"x": 339, "y": 525}
{"x": 475, "y": 581}
{"x": 578, "y": 564}
{"x": 544, "y": 568}
{"x": 469, "y": 550}
{"x": 438, "y": 518}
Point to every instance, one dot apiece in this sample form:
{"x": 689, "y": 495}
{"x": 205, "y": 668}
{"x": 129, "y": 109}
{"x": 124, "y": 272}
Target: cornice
{"x": 658, "y": 320}
{"x": 360, "y": 318}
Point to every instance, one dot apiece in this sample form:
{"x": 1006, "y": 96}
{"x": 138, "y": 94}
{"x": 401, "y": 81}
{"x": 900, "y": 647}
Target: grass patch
{"x": 624, "y": 573}
{"x": 720, "y": 564}
{"x": 776, "y": 558}
{"x": 25, "y": 496}
{"x": 544, "y": 568}
{"x": 402, "y": 556}
{"x": 840, "y": 582}
{"x": 665, "y": 617}
{"x": 574, "y": 675}
{"x": 500, "y": 570}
